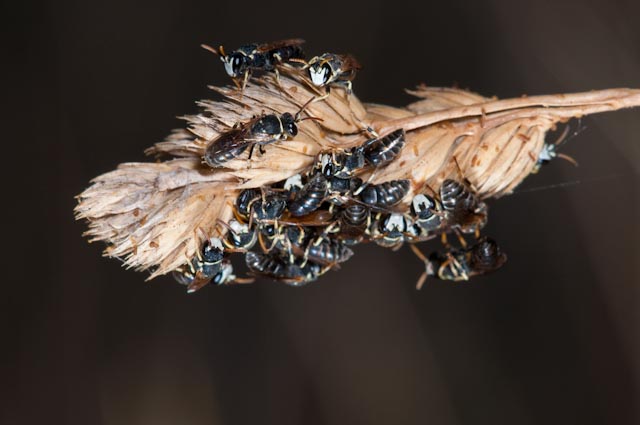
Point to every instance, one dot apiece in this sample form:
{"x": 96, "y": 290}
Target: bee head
{"x": 395, "y": 223}
{"x": 289, "y": 124}
{"x": 547, "y": 153}
{"x": 320, "y": 72}
{"x": 423, "y": 206}
{"x": 212, "y": 251}
{"x": 235, "y": 63}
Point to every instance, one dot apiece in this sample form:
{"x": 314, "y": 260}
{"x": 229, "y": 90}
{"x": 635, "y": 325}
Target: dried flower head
{"x": 156, "y": 216}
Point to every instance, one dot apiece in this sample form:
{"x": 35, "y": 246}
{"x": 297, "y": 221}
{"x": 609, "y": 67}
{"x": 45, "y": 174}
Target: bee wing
{"x": 230, "y": 140}
{"x": 350, "y": 62}
{"x": 313, "y": 219}
{"x": 280, "y": 43}
{"x": 198, "y": 283}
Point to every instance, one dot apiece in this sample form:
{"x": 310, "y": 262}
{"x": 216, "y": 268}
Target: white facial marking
{"x": 238, "y": 227}
{"x": 228, "y": 66}
{"x": 293, "y": 181}
{"x": 421, "y": 203}
{"x": 547, "y": 153}
{"x": 395, "y": 222}
{"x": 318, "y": 75}
{"x": 216, "y": 243}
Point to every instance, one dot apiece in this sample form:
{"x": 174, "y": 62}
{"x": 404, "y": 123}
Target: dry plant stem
{"x": 561, "y": 106}
{"x": 156, "y": 215}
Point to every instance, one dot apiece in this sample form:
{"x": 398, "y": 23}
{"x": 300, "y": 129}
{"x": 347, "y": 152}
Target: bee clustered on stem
{"x": 291, "y": 171}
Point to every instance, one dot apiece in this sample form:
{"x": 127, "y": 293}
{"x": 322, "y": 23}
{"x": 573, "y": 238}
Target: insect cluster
{"x": 289, "y": 171}
{"x": 296, "y": 230}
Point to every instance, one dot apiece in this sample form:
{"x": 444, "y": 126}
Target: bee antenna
{"x": 222, "y": 224}
{"x": 213, "y": 49}
{"x": 297, "y": 117}
{"x": 567, "y": 158}
{"x": 310, "y": 118}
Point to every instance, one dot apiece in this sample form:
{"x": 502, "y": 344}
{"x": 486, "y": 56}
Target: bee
{"x": 341, "y": 164}
{"x": 391, "y": 230}
{"x": 310, "y": 197}
{"x": 259, "y": 131}
{"x": 549, "y": 150}
{"x": 385, "y": 194}
{"x": 383, "y": 150}
{"x": 462, "y": 207}
{"x": 240, "y": 237}
{"x": 269, "y": 207}
{"x": 282, "y": 269}
{"x": 245, "y": 201}
{"x": 427, "y": 213}
{"x": 240, "y": 63}
{"x": 354, "y": 221}
{"x": 331, "y": 69}
{"x": 203, "y": 268}
{"x": 377, "y": 151}
{"x": 461, "y": 264}
{"x": 327, "y": 251}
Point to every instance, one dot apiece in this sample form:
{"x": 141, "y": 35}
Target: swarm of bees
{"x": 329, "y": 173}
{"x": 296, "y": 230}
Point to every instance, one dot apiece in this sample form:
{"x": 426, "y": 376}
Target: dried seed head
{"x": 156, "y": 215}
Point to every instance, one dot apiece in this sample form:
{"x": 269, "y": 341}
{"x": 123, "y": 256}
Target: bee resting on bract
{"x": 329, "y": 172}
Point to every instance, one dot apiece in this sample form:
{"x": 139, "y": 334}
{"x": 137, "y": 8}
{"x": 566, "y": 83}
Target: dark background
{"x": 552, "y": 338}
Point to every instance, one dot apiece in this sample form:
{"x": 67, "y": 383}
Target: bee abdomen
{"x": 385, "y": 194}
{"x": 355, "y": 215}
{"x": 455, "y": 196}
{"x": 224, "y": 149}
{"x": 310, "y": 197}
{"x": 245, "y": 200}
{"x": 330, "y": 251}
{"x": 385, "y": 149}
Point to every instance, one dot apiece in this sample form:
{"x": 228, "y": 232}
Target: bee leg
{"x": 261, "y": 149}
{"x": 423, "y": 258}
{"x": 320, "y": 98}
{"x": 444, "y": 241}
{"x": 245, "y": 80}
{"x": 421, "y": 280}
{"x": 461, "y": 239}
{"x": 251, "y": 151}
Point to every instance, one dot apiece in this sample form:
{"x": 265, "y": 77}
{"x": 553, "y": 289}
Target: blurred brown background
{"x": 552, "y": 338}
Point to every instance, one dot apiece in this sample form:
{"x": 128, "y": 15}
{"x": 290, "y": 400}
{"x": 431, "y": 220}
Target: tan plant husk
{"x": 155, "y": 215}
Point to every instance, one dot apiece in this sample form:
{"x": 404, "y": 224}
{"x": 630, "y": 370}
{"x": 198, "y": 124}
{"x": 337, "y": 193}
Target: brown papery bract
{"x": 156, "y": 215}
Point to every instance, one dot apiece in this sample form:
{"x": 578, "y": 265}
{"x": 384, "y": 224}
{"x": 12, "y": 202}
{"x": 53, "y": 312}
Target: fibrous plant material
{"x": 158, "y": 216}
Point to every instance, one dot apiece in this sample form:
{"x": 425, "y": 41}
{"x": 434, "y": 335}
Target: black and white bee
{"x": 382, "y": 150}
{"x": 464, "y": 210}
{"x": 330, "y": 69}
{"x": 549, "y": 151}
{"x": 392, "y": 230}
{"x": 203, "y": 268}
{"x": 327, "y": 251}
{"x": 427, "y": 213}
{"x": 282, "y": 269}
{"x": 259, "y": 131}
{"x": 461, "y": 264}
{"x": 310, "y": 197}
{"x": 240, "y": 237}
{"x": 240, "y": 63}
{"x": 375, "y": 152}
{"x": 385, "y": 194}
{"x": 355, "y": 219}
